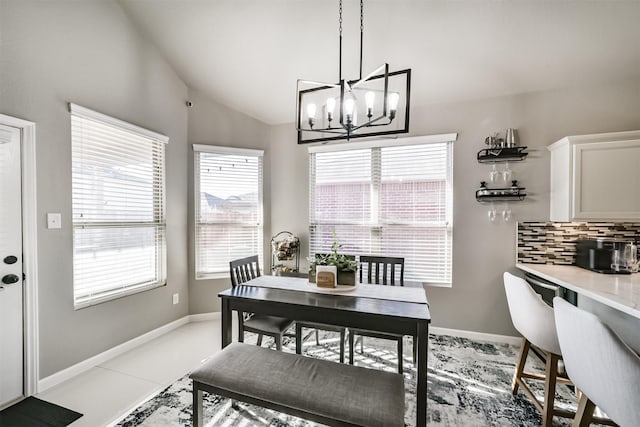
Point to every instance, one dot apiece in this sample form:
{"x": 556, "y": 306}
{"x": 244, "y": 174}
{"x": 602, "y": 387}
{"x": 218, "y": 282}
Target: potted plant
{"x": 346, "y": 265}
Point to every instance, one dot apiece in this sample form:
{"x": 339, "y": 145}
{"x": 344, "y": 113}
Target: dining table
{"x": 382, "y": 308}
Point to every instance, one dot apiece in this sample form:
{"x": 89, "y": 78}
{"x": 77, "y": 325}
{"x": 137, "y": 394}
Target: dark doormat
{"x": 33, "y": 412}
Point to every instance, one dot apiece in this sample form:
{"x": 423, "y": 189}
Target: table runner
{"x": 394, "y": 293}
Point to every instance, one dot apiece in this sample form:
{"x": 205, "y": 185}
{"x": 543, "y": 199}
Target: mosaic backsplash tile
{"x": 554, "y": 242}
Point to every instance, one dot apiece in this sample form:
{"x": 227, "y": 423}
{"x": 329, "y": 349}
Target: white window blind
{"x": 118, "y": 196}
{"x": 228, "y": 207}
{"x": 391, "y": 200}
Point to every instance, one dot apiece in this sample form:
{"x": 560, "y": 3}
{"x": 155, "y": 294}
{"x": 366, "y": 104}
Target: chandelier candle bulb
{"x": 349, "y": 105}
{"x": 370, "y": 98}
{"x": 394, "y": 98}
{"x": 331, "y": 105}
{"x": 311, "y": 113}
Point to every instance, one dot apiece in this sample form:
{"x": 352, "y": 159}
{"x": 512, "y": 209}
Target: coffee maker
{"x": 608, "y": 256}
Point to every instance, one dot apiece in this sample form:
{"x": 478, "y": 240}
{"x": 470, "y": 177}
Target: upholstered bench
{"x": 318, "y": 390}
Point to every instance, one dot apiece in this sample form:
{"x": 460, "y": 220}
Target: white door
{"x": 11, "y": 293}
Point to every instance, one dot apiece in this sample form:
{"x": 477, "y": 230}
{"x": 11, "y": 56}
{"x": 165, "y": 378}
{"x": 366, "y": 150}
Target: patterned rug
{"x": 469, "y": 384}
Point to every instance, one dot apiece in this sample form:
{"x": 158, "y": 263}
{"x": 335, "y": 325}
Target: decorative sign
{"x": 326, "y": 276}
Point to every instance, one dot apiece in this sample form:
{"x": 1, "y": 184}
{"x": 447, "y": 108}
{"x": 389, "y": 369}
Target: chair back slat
{"x": 244, "y": 269}
{"x": 382, "y": 270}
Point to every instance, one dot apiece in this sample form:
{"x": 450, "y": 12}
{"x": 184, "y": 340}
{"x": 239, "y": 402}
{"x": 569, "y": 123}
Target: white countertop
{"x": 619, "y": 291}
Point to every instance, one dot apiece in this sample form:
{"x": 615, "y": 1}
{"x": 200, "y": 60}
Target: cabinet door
{"x": 607, "y": 180}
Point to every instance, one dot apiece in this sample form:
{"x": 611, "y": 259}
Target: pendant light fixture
{"x": 377, "y": 104}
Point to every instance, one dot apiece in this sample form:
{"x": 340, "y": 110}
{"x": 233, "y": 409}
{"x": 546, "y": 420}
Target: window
{"x": 118, "y": 196}
{"x": 228, "y": 207}
{"x": 386, "y": 198}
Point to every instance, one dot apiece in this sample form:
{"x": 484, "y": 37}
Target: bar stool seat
{"x": 534, "y": 319}
{"x": 601, "y": 365}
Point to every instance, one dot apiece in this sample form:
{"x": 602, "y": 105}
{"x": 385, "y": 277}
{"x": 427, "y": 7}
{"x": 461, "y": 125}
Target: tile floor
{"x": 105, "y": 393}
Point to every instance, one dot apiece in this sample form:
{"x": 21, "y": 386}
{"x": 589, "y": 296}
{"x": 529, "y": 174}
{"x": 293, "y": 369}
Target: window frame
{"x": 158, "y": 142}
{"x": 376, "y": 225}
{"x": 233, "y": 151}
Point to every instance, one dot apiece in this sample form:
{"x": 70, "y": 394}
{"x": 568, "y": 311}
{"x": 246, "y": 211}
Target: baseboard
{"x": 201, "y": 317}
{"x": 85, "y": 365}
{"x": 506, "y": 339}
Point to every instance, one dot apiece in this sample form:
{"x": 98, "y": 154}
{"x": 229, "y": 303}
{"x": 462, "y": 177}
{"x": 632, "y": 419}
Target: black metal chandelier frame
{"x": 346, "y": 128}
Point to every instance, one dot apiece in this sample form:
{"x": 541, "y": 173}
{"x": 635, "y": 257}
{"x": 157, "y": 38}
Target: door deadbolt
{"x": 10, "y": 279}
{"x": 10, "y": 259}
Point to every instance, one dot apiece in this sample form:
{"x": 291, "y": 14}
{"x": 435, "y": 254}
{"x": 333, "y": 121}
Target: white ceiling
{"x": 248, "y": 54}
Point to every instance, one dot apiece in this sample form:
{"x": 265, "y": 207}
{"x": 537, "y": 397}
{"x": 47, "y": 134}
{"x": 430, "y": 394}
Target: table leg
{"x": 421, "y": 383}
{"x": 226, "y": 322}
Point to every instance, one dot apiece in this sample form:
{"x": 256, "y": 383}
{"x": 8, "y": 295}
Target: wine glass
{"x": 506, "y": 174}
{"x": 493, "y": 175}
{"x": 506, "y": 213}
{"x": 491, "y": 213}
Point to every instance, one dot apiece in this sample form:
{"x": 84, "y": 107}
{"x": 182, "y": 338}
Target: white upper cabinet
{"x": 596, "y": 177}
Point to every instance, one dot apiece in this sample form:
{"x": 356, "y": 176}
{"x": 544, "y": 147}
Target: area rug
{"x": 469, "y": 384}
{"x": 34, "y": 412}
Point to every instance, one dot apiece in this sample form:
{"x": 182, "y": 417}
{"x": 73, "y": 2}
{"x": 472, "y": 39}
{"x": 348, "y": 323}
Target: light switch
{"x": 54, "y": 220}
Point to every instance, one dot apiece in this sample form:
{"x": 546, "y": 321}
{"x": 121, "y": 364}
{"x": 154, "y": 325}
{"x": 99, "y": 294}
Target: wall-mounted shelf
{"x": 513, "y": 193}
{"x": 501, "y": 155}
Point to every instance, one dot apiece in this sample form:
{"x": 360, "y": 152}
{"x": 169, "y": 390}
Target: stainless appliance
{"x": 607, "y": 256}
{"x": 548, "y": 290}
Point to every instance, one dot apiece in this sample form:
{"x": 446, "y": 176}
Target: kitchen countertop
{"x": 619, "y": 291}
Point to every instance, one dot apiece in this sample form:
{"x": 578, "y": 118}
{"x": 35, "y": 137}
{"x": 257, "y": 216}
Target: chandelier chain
{"x": 361, "y": 33}
{"x": 340, "y": 17}
{"x": 340, "y": 41}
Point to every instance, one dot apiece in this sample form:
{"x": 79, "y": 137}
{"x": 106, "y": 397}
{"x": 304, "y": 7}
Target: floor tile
{"x": 101, "y": 395}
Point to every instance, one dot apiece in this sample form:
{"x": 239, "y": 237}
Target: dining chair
{"x": 322, "y": 327}
{"x": 600, "y": 364}
{"x": 534, "y": 319}
{"x": 380, "y": 271}
{"x": 241, "y": 271}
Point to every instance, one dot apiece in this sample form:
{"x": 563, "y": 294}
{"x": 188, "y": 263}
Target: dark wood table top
{"x": 374, "y": 306}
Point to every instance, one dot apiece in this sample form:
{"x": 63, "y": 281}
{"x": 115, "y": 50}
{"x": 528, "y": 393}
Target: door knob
{"x": 10, "y": 259}
{"x": 10, "y": 278}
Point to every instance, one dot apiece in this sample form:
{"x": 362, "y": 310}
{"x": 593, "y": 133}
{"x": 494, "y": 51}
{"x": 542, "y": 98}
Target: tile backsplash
{"x": 554, "y": 242}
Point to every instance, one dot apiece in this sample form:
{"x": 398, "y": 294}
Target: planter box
{"x": 344, "y": 277}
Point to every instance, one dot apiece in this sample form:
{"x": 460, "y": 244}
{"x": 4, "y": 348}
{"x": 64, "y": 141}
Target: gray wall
{"x": 213, "y": 124}
{"x": 53, "y": 52}
{"x": 482, "y": 250}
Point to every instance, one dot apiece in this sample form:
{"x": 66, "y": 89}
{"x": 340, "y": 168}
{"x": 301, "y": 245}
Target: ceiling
{"x": 248, "y": 54}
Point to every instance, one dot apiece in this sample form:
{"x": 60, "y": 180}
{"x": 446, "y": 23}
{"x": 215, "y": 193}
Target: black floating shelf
{"x": 499, "y": 155}
{"x": 484, "y": 195}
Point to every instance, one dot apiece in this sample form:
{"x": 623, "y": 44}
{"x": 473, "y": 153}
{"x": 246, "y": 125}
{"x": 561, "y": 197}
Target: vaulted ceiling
{"x": 248, "y": 54}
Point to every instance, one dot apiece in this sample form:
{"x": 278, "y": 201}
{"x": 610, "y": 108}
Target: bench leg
{"x": 351, "y": 346}
{"x": 240, "y": 326}
{"x": 342, "y": 346}
{"x": 196, "y": 413}
{"x": 278, "y": 339}
{"x": 259, "y": 343}
{"x": 298, "y": 339}
{"x": 400, "y": 355}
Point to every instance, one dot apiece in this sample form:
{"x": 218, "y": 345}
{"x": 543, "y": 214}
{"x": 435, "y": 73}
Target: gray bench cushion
{"x": 346, "y": 393}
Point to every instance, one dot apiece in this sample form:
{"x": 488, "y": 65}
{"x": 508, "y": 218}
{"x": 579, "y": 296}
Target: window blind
{"x": 228, "y": 207}
{"x": 390, "y": 200}
{"x": 118, "y": 207}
